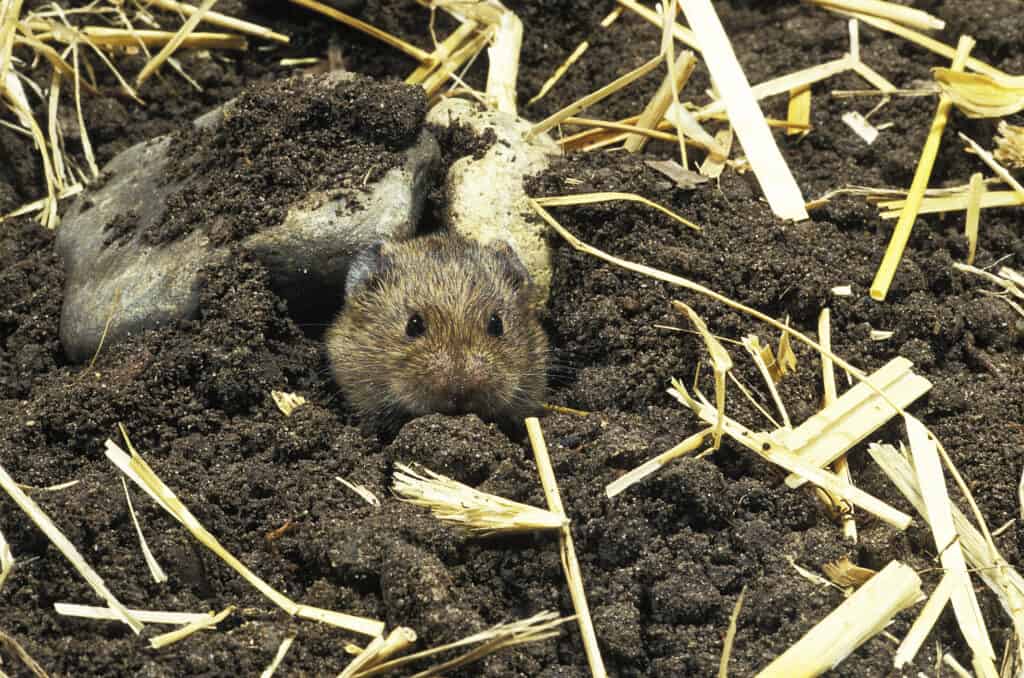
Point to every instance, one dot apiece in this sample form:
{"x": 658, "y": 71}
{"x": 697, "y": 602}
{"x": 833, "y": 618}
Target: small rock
{"x": 486, "y": 198}
{"x": 118, "y": 277}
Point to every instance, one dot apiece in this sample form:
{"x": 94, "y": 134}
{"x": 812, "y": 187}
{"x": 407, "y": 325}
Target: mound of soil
{"x": 664, "y": 563}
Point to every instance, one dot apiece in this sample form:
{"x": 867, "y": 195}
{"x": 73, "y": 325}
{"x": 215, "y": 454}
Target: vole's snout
{"x": 460, "y": 383}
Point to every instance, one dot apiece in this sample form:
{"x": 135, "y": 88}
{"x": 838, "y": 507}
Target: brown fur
{"x": 455, "y": 366}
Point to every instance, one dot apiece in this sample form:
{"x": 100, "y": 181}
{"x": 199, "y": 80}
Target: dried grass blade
{"x": 282, "y": 650}
{"x": 864, "y": 614}
{"x": 442, "y": 52}
{"x": 144, "y": 616}
{"x": 907, "y": 16}
{"x": 721, "y": 363}
{"x": 6, "y": 561}
{"x": 373, "y": 31}
{"x": 940, "y": 518}
{"x": 594, "y": 97}
{"x": 753, "y": 346}
{"x": 122, "y": 37}
{"x": 651, "y": 466}
{"x": 9, "y": 14}
{"x": 667, "y": 93}
{"x": 159, "y": 576}
{"x": 953, "y": 203}
{"x": 591, "y": 198}
{"x": 901, "y": 233}
{"x": 436, "y": 80}
{"x": 580, "y": 50}
{"x": 828, "y": 378}
{"x": 18, "y": 651}
{"x": 975, "y": 194}
{"x": 39, "y": 517}
{"x": 730, "y": 636}
{"x": 922, "y": 626}
{"x": 573, "y": 576}
{"x": 53, "y": 129}
{"x": 993, "y": 165}
{"x": 90, "y": 157}
{"x": 745, "y": 116}
{"x": 679, "y": 32}
{"x": 136, "y": 468}
{"x": 171, "y": 637}
{"x": 222, "y": 20}
{"x": 168, "y": 49}
{"x": 538, "y": 627}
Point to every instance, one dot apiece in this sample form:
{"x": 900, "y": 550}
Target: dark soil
{"x": 663, "y": 563}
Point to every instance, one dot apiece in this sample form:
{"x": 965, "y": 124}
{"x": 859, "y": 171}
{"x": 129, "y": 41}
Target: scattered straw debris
{"x": 981, "y": 553}
{"x": 18, "y": 651}
{"x": 478, "y": 512}
{"x": 981, "y": 96}
{"x": 922, "y": 626}
{"x": 975, "y": 194}
{"x": 43, "y": 521}
{"x": 1010, "y": 144}
{"x": 287, "y": 402}
{"x": 594, "y": 97}
{"x": 380, "y": 650}
{"x": 1010, "y": 280}
{"x": 282, "y": 650}
{"x": 777, "y": 182}
{"x": 994, "y": 165}
{"x": 901, "y": 234}
{"x": 580, "y": 50}
{"x": 144, "y": 616}
{"x": 569, "y": 563}
{"x": 863, "y": 615}
{"x": 846, "y": 574}
{"x": 364, "y": 493}
{"x": 141, "y": 474}
{"x": 652, "y": 466}
{"x": 6, "y": 561}
{"x": 859, "y": 124}
{"x": 907, "y": 16}
{"x": 171, "y": 637}
{"x": 157, "y": 572}
{"x": 591, "y": 198}
{"x": 730, "y": 636}
{"x": 539, "y": 627}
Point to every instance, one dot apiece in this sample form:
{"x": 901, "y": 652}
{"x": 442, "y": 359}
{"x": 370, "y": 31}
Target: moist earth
{"x": 663, "y": 563}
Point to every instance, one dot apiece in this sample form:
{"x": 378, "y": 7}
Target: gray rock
{"x": 486, "y": 198}
{"x": 131, "y": 285}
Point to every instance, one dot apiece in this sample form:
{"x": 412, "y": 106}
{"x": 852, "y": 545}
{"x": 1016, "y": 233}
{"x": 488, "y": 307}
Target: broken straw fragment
{"x": 777, "y": 182}
{"x": 857, "y": 413}
{"x": 846, "y": 628}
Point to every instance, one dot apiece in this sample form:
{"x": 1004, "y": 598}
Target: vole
{"x": 439, "y": 324}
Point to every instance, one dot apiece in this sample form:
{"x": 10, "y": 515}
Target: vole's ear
{"x": 366, "y": 267}
{"x": 511, "y": 264}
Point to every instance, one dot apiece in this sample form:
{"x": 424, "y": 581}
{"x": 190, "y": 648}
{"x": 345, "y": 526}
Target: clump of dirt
{"x": 280, "y": 141}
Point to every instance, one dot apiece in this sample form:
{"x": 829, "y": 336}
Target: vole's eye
{"x": 495, "y": 327}
{"x": 416, "y": 327}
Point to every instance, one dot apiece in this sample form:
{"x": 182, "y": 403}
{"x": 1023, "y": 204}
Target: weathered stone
{"x": 133, "y": 285}
{"x": 486, "y": 198}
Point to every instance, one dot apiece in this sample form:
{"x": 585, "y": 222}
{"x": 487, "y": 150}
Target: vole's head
{"x": 439, "y": 324}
